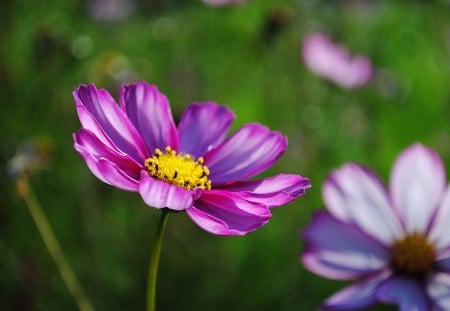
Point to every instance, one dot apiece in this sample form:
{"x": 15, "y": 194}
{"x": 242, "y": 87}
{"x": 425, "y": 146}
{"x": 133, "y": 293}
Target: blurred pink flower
{"x": 110, "y": 11}
{"x": 333, "y": 62}
{"x": 222, "y": 2}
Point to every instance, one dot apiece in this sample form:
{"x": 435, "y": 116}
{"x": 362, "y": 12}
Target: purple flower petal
{"x": 203, "y": 126}
{"x": 105, "y": 170}
{"x": 160, "y": 194}
{"x": 329, "y": 60}
{"x": 249, "y": 151}
{"x": 354, "y": 194}
{"x": 417, "y": 186}
{"x": 225, "y": 213}
{"x": 438, "y": 288}
{"x": 273, "y": 191}
{"x": 88, "y": 122}
{"x": 407, "y": 293}
{"x": 89, "y": 143}
{"x": 439, "y": 233}
{"x": 443, "y": 263}
{"x": 110, "y": 119}
{"x": 358, "y": 296}
{"x": 341, "y": 251}
{"x": 149, "y": 111}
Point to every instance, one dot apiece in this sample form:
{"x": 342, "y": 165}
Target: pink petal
{"x": 358, "y": 296}
{"x": 439, "y": 233}
{"x": 341, "y": 251}
{"x": 318, "y": 53}
{"x": 359, "y": 72}
{"x": 417, "y": 186}
{"x": 407, "y": 293}
{"x": 273, "y": 191}
{"x": 438, "y": 288}
{"x": 333, "y": 62}
{"x": 203, "y": 126}
{"x": 355, "y": 195}
{"x": 88, "y": 122}
{"x": 107, "y": 171}
{"x": 225, "y": 213}
{"x": 89, "y": 143}
{"x": 248, "y": 152}
{"x": 107, "y": 120}
{"x": 149, "y": 111}
{"x": 160, "y": 194}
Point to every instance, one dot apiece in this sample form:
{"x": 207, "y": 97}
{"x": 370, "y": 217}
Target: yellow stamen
{"x": 413, "y": 254}
{"x": 179, "y": 169}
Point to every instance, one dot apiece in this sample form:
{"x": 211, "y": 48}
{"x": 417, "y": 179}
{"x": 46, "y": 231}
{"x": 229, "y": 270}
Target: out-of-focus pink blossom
{"x": 333, "y": 62}
{"x": 110, "y": 11}
{"x": 223, "y": 2}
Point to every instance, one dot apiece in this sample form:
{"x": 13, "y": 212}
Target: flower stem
{"x": 154, "y": 261}
{"x": 24, "y": 190}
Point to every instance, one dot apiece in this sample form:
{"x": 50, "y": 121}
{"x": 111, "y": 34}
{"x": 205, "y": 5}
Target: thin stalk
{"x": 154, "y": 261}
{"x": 53, "y": 247}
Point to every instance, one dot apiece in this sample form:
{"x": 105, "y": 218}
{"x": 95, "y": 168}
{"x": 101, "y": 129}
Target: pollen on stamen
{"x": 178, "y": 169}
{"x": 413, "y": 254}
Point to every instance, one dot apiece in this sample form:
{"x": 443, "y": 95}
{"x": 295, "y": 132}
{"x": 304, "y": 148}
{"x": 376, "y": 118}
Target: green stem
{"x": 50, "y": 241}
{"x": 154, "y": 261}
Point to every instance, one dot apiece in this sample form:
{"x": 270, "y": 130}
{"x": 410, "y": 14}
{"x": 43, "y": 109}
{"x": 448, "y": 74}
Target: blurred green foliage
{"x": 245, "y": 56}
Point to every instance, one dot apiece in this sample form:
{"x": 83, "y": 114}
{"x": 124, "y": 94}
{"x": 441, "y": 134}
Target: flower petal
{"x": 88, "y": 122}
{"x": 249, "y": 151}
{"x": 91, "y": 144}
{"x": 203, "y": 126}
{"x": 407, "y": 293}
{"x": 358, "y": 296}
{"x": 439, "y": 233}
{"x": 332, "y": 61}
{"x": 438, "y": 288}
{"x": 443, "y": 263}
{"x": 354, "y": 194}
{"x": 273, "y": 191}
{"x": 225, "y": 213}
{"x": 149, "y": 111}
{"x": 110, "y": 119}
{"x": 160, "y": 194}
{"x": 417, "y": 186}
{"x": 341, "y": 251}
{"x": 105, "y": 170}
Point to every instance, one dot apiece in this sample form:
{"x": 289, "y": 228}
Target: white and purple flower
{"x": 395, "y": 243}
{"x": 333, "y": 62}
{"x": 193, "y": 167}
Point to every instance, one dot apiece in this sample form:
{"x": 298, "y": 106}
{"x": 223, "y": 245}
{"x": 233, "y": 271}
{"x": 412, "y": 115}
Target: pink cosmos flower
{"x": 137, "y": 147}
{"x": 395, "y": 243}
{"x": 223, "y": 2}
{"x": 333, "y": 62}
{"x": 110, "y": 10}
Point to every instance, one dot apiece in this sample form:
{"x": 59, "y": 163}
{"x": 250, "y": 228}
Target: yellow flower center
{"x": 414, "y": 254}
{"x": 179, "y": 169}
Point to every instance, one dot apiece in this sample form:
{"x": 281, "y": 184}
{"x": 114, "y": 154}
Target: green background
{"x": 245, "y": 56}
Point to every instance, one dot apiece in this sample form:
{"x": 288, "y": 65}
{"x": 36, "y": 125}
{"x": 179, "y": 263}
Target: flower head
{"x": 396, "y": 243}
{"x": 193, "y": 166}
{"x": 333, "y": 62}
{"x": 110, "y": 10}
{"x": 219, "y": 3}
